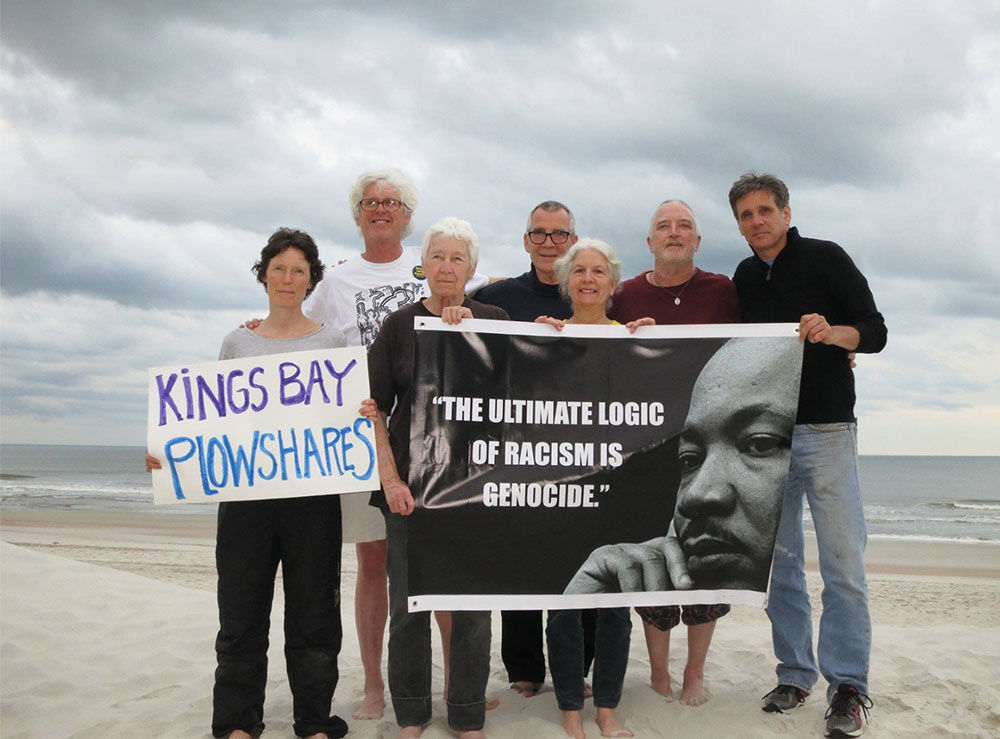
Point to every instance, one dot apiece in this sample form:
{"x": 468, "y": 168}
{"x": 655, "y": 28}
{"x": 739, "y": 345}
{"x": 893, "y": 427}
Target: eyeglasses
{"x": 538, "y": 236}
{"x": 373, "y": 203}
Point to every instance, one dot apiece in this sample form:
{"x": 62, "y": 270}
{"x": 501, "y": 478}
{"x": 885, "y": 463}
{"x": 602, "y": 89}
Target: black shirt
{"x": 525, "y": 298}
{"x": 390, "y": 373}
{"x": 813, "y": 276}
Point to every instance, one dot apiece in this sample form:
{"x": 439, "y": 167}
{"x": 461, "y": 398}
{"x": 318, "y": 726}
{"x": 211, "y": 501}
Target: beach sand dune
{"x": 108, "y": 624}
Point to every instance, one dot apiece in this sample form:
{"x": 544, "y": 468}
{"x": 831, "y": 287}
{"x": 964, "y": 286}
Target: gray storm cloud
{"x": 150, "y": 148}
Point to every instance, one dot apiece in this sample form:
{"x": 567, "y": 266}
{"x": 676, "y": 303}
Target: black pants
{"x": 253, "y": 536}
{"x": 521, "y": 644}
{"x": 410, "y": 650}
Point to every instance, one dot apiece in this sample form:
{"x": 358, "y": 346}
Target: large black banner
{"x": 592, "y": 467}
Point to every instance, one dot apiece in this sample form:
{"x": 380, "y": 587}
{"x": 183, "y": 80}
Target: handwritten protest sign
{"x": 272, "y": 426}
{"x": 553, "y": 446}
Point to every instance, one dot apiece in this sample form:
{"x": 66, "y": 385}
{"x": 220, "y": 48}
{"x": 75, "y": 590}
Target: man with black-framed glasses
{"x": 551, "y": 231}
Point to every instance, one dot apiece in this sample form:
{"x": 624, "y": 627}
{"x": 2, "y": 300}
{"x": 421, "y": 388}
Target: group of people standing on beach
{"x": 371, "y": 300}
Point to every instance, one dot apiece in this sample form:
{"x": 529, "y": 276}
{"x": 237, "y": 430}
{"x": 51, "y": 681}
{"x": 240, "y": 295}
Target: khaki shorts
{"x": 361, "y": 521}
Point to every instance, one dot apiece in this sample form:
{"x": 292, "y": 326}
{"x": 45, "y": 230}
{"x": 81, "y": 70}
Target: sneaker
{"x": 843, "y": 717}
{"x": 783, "y": 698}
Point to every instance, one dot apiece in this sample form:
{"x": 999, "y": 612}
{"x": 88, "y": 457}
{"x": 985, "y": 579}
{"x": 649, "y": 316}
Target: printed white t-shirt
{"x": 356, "y": 297}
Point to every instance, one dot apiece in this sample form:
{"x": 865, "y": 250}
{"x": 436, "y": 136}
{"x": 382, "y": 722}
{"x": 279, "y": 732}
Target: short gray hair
{"x": 754, "y": 181}
{"x": 553, "y": 206}
{"x": 452, "y": 228}
{"x": 652, "y": 220}
{"x": 392, "y": 176}
{"x": 565, "y": 262}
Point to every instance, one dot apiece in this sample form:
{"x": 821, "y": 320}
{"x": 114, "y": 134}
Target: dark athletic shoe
{"x": 783, "y": 698}
{"x": 843, "y": 717}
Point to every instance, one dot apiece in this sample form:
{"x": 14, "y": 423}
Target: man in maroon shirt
{"x": 673, "y": 292}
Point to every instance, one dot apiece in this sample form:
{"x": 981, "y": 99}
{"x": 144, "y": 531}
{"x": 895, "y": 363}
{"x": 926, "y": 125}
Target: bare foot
{"x": 693, "y": 692}
{"x": 239, "y": 734}
{"x": 573, "y": 724}
{"x": 526, "y": 688}
{"x": 607, "y": 722}
{"x": 408, "y": 732}
{"x": 371, "y": 708}
{"x": 471, "y": 735}
{"x": 660, "y": 680}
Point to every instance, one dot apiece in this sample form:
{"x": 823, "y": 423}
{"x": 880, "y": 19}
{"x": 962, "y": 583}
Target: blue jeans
{"x": 566, "y": 656}
{"x": 824, "y": 470}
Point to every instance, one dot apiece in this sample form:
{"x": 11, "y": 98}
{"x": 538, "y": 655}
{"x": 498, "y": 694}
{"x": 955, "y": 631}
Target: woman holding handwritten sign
{"x": 450, "y": 252}
{"x": 589, "y": 274}
{"x": 303, "y": 534}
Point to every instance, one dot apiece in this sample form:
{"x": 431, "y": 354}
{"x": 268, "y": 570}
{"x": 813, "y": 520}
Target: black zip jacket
{"x": 813, "y": 276}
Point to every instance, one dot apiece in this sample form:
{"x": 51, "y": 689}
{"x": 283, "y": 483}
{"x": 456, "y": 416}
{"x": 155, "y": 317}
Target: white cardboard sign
{"x": 272, "y": 426}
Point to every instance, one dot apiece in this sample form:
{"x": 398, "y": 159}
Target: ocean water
{"x": 90, "y": 477}
{"x": 931, "y": 497}
{"x": 910, "y": 497}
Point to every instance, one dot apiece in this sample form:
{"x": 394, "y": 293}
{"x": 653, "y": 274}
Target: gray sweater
{"x": 245, "y": 343}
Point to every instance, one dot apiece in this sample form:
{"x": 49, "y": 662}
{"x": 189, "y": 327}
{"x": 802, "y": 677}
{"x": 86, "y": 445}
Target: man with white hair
{"x": 360, "y": 292}
{"x": 675, "y": 291}
{"x": 355, "y": 298}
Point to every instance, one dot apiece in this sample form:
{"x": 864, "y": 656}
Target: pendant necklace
{"x": 677, "y": 295}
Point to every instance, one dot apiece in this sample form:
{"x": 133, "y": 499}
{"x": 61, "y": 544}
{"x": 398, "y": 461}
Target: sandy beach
{"x": 108, "y": 621}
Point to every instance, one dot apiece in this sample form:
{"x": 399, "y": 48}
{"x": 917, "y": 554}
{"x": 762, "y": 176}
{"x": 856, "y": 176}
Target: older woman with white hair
{"x": 449, "y": 255}
{"x": 589, "y": 274}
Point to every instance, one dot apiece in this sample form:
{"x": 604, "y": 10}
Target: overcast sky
{"x": 149, "y": 148}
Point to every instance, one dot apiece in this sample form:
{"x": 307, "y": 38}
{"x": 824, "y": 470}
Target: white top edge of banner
{"x": 688, "y": 331}
{"x": 589, "y": 600}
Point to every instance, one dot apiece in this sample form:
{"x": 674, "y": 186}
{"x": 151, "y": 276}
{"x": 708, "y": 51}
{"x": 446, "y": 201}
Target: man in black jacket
{"x": 815, "y": 283}
{"x": 550, "y": 232}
